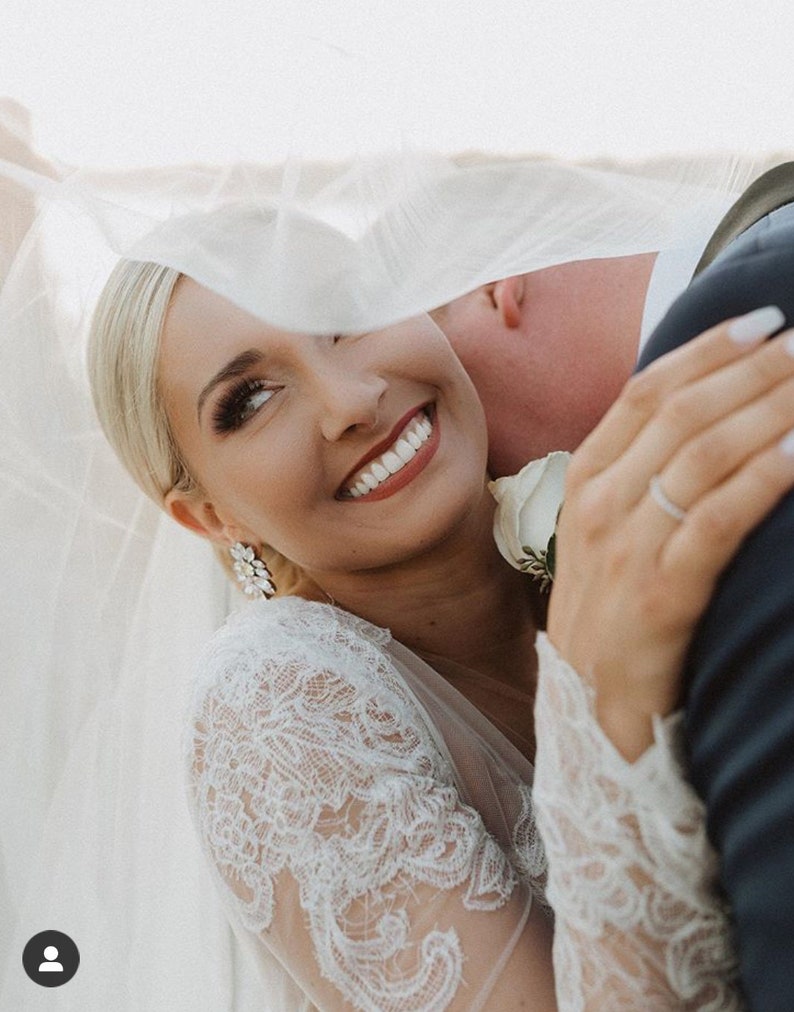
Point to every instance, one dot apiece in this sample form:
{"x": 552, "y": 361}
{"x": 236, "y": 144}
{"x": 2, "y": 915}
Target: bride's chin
{"x": 418, "y": 535}
{"x": 462, "y": 517}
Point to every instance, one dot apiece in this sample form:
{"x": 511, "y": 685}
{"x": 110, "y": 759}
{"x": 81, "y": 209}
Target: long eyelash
{"x": 229, "y": 413}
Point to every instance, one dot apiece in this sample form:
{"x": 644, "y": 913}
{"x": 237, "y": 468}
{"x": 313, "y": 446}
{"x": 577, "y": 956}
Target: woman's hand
{"x": 709, "y": 422}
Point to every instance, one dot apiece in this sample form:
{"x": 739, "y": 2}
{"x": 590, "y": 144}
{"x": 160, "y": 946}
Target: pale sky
{"x": 153, "y": 81}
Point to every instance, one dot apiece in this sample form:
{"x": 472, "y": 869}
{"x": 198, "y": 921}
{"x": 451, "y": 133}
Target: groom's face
{"x": 545, "y": 357}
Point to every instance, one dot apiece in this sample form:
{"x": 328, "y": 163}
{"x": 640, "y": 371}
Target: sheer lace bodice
{"x": 374, "y": 839}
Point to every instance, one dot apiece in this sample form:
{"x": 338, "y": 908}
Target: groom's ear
{"x": 507, "y": 296}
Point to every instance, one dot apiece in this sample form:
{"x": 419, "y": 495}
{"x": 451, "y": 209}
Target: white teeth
{"x": 392, "y": 462}
{"x": 404, "y": 450}
{"x": 414, "y": 435}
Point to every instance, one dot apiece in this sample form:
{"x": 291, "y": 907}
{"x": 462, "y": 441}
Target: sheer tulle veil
{"x": 106, "y": 601}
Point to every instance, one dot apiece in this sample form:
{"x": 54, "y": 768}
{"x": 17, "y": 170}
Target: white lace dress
{"x": 375, "y": 838}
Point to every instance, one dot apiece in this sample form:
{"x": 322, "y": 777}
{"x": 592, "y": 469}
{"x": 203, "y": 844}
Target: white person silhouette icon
{"x": 51, "y": 954}
{"x": 60, "y": 961}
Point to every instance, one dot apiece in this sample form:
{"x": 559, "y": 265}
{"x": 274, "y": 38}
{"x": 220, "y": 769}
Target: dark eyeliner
{"x": 229, "y": 414}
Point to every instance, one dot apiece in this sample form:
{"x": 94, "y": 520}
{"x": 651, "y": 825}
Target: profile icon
{"x": 50, "y": 958}
{"x": 51, "y": 954}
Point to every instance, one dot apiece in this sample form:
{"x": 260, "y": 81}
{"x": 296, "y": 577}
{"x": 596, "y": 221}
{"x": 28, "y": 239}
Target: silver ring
{"x": 660, "y": 498}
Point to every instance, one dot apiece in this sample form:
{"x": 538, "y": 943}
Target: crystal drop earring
{"x": 251, "y": 571}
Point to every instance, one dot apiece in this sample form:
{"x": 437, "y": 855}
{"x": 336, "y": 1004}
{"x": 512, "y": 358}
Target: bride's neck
{"x": 461, "y": 602}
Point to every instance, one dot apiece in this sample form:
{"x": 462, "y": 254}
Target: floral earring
{"x": 251, "y": 571}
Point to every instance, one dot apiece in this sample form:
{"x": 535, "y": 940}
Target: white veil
{"x": 106, "y": 601}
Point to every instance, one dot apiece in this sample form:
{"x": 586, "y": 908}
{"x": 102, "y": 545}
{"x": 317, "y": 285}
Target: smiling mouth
{"x": 409, "y": 451}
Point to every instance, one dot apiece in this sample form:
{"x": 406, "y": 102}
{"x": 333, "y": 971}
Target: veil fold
{"x": 106, "y": 600}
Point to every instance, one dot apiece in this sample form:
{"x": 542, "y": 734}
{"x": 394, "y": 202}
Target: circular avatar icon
{"x": 50, "y": 958}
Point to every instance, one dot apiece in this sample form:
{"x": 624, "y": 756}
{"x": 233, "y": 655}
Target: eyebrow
{"x": 239, "y": 365}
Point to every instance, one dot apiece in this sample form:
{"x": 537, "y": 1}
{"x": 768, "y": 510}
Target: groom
{"x": 740, "y": 670}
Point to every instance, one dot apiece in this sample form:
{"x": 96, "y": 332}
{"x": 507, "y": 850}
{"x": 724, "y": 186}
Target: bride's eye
{"x": 239, "y": 404}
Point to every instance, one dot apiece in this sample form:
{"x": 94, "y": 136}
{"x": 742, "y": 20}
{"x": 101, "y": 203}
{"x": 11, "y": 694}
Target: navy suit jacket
{"x": 739, "y": 710}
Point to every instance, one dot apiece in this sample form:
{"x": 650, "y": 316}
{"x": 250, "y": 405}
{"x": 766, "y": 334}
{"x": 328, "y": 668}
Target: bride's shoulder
{"x": 266, "y": 638}
{"x": 291, "y": 625}
{"x": 313, "y": 673}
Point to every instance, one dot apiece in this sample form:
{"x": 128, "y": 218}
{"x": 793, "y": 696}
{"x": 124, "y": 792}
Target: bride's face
{"x": 341, "y": 452}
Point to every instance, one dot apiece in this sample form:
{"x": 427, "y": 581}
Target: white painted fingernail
{"x": 788, "y": 343}
{"x": 757, "y": 325}
{"x": 787, "y": 444}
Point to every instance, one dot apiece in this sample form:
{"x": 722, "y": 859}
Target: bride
{"x": 110, "y": 600}
{"x": 360, "y": 750}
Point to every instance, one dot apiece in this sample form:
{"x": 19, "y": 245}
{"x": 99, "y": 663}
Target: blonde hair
{"x": 123, "y": 352}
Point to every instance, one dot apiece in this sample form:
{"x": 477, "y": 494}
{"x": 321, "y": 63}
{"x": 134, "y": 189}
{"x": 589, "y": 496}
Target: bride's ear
{"x": 508, "y": 296}
{"x": 198, "y": 515}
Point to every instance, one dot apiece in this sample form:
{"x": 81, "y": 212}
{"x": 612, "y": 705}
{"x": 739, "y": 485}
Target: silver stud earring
{"x": 251, "y": 571}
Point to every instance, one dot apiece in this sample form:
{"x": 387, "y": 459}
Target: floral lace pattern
{"x": 629, "y": 860}
{"x": 308, "y": 756}
{"x": 357, "y": 815}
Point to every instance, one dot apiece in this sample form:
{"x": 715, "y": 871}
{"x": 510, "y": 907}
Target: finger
{"x": 707, "y": 460}
{"x": 710, "y": 427}
{"x": 707, "y": 539}
{"x": 645, "y": 392}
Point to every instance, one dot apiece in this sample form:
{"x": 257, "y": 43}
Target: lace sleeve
{"x": 336, "y": 832}
{"x": 632, "y": 877}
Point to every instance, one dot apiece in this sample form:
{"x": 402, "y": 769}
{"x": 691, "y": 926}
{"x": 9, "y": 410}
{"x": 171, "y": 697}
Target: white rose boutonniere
{"x": 528, "y": 504}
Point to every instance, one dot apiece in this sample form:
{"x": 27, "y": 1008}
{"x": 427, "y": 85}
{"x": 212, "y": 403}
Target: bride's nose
{"x": 348, "y": 399}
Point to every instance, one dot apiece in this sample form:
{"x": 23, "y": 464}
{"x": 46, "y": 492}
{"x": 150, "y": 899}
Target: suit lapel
{"x": 769, "y": 192}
